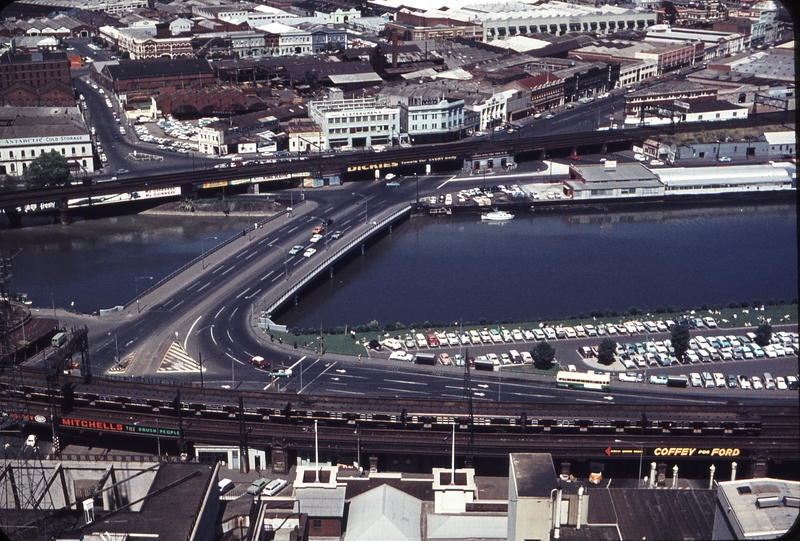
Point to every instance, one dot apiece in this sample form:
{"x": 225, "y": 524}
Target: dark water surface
{"x": 443, "y": 270}
{"x": 94, "y": 264}
{"x": 457, "y": 268}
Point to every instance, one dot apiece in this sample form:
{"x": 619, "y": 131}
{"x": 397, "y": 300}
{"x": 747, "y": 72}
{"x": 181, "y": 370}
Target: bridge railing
{"x": 266, "y": 313}
{"x": 209, "y": 252}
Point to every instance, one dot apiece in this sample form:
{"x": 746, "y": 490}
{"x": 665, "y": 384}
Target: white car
{"x": 309, "y": 252}
{"x": 315, "y": 239}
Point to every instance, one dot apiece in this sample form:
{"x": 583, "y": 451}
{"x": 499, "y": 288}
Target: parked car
{"x": 257, "y": 486}
{"x": 724, "y": 159}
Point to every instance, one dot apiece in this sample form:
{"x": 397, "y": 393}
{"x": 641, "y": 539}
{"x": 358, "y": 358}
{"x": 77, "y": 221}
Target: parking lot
{"x": 644, "y": 352}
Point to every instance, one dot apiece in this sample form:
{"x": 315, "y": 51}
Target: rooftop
{"x": 760, "y": 508}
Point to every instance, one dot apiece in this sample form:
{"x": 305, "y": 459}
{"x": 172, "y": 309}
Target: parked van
{"x": 225, "y": 485}
{"x": 515, "y": 356}
{"x": 769, "y": 382}
{"x": 274, "y": 487}
{"x": 58, "y": 340}
{"x": 791, "y": 382}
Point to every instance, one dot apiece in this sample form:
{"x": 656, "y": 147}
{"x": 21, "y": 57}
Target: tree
{"x": 670, "y": 12}
{"x": 543, "y": 355}
{"x": 606, "y": 351}
{"x": 763, "y": 333}
{"x": 48, "y": 170}
{"x": 680, "y": 340}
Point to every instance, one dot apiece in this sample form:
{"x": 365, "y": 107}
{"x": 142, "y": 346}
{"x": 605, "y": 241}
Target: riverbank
{"x": 239, "y": 206}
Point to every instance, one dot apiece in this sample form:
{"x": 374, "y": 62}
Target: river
{"x": 448, "y": 269}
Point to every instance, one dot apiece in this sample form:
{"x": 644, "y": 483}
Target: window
{"x": 23, "y": 153}
{"x": 11, "y": 154}
{"x": 317, "y": 524}
{"x": 63, "y": 151}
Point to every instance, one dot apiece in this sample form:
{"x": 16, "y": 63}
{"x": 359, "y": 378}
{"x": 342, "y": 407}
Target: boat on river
{"x": 497, "y": 216}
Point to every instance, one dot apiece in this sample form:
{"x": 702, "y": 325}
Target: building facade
{"x": 355, "y": 123}
{"x": 28, "y": 132}
{"x": 35, "y": 80}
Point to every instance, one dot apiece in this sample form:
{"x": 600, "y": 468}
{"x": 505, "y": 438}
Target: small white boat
{"x": 497, "y": 216}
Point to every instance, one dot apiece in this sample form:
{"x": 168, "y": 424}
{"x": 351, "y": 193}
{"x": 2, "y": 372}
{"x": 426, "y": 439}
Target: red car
{"x": 259, "y": 362}
{"x": 433, "y": 341}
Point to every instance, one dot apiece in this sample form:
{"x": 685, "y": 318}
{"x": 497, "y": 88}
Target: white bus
{"x": 583, "y": 380}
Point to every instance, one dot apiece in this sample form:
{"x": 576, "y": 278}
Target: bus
{"x": 583, "y": 380}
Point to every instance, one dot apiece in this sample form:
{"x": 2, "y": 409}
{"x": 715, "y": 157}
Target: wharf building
{"x": 27, "y": 132}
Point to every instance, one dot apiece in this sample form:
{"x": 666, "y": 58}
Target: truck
{"x": 58, "y": 340}
{"x": 425, "y": 358}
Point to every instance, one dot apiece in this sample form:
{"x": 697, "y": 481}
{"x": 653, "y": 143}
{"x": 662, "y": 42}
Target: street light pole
{"x": 285, "y": 260}
{"x": 203, "y": 249}
{"x": 366, "y": 210}
{"x": 136, "y": 282}
{"x": 641, "y": 455}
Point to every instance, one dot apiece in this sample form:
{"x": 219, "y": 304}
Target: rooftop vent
{"x": 791, "y": 501}
{"x": 768, "y": 501}
{"x": 744, "y": 489}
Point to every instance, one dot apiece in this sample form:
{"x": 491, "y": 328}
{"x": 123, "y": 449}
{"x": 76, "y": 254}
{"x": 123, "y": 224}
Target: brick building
{"x": 35, "y": 80}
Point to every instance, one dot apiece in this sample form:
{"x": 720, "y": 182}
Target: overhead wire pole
{"x": 468, "y": 396}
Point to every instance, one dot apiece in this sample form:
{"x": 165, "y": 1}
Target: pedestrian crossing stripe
{"x": 178, "y": 360}
{"x": 124, "y": 363}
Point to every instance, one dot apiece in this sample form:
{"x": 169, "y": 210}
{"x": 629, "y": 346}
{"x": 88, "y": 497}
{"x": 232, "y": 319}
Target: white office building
{"x": 292, "y": 41}
{"x": 355, "y": 123}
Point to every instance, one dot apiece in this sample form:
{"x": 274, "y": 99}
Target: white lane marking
{"x": 174, "y": 307}
{"x": 228, "y": 332}
{"x": 242, "y": 293}
{"x": 267, "y": 275}
{"x": 190, "y": 331}
{"x": 251, "y": 255}
{"x": 218, "y": 268}
{"x": 211, "y": 330}
{"x": 401, "y": 390}
{"x": 241, "y": 254}
{"x": 202, "y": 288}
{"x": 273, "y": 280}
{"x": 292, "y": 230}
{"x": 442, "y": 185}
{"x": 342, "y": 391}
{"x": 193, "y": 285}
{"x": 318, "y": 376}
{"x": 234, "y": 358}
{"x": 234, "y": 311}
{"x": 218, "y": 313}
{"x": 253, "y": 295}
{"x": 405, "y": 382}
{"x": 227, "y": 271}
{"x": 262, "y": 241}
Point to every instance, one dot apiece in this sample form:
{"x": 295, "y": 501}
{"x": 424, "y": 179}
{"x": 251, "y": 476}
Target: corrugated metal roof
{"x": 384, "y": 513}
{"x": 781, "y": 137}
{"x": 320, "y": 501}
{"x": 350, "y": 78}
{"x": 733, "y": 174}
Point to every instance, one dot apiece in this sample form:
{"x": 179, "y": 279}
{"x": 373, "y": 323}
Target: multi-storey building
{"x": 292, "y": 41}
{"x": 324, "y": 38}
{"x": 715, "y": 44}
{"x": 27, "y": 132}
{"x": 428, "y": 113}
{"x": 34, "y": 80}
{"x": 356, "y": 123}
{"x": 144, "y": 43}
